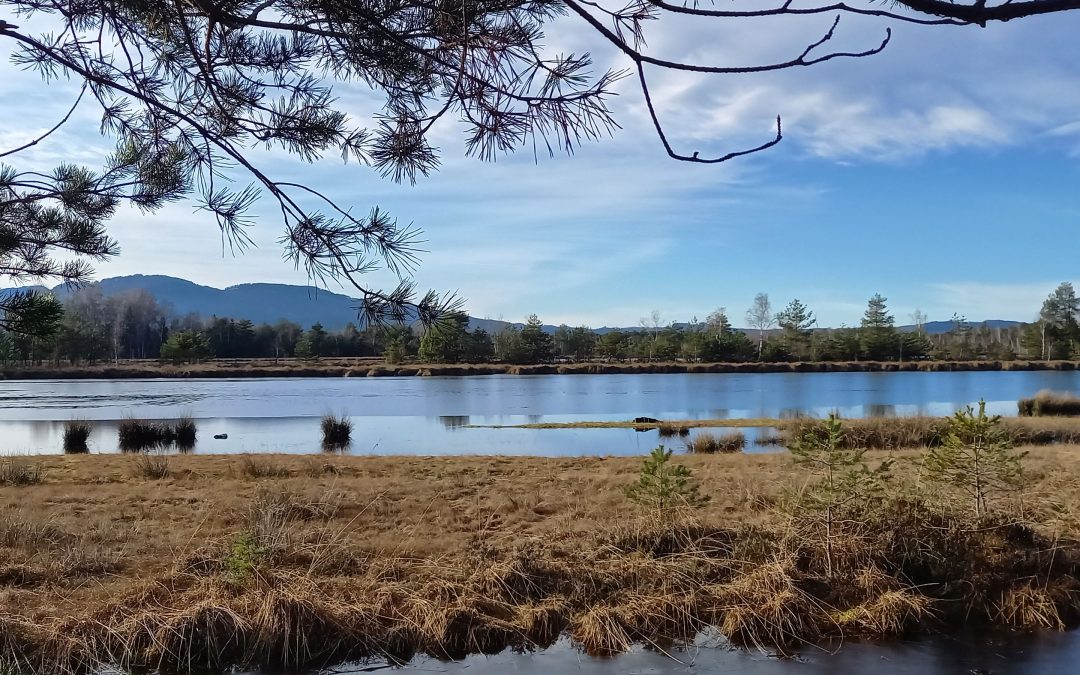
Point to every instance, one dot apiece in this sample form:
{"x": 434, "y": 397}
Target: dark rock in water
{"x": 646, "y": 420}
{"x": 221, "y": 436}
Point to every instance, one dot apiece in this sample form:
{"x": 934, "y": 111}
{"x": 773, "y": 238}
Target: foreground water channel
{"x": 448, "y": 415}
{"x": 999, "y": 654}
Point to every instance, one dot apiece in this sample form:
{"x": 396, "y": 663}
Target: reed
{"x": 185, "y": 431}
{"x": 141, "y": 435}
{"x": 672, "y": 429}
{"x": 76, "y": 434}
{"x": 336, "y": 431}
{"x": 905, "y": 433}
{"x": 708, "y": 443}
{"x": 1049, "y": 403}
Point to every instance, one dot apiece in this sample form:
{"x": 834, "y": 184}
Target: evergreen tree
{"x": 185, "y": 346}
{"x": 1058, "y": 326}
{"x": 976, "y": 458}
{"x": 532, "y": 345}
{"x": 446, "y": 341}
{"x": 842, "y": 479}
{"x": 664, "y": 486}
{"x": 878, "y": 334}
{"x": 796, "y": 321}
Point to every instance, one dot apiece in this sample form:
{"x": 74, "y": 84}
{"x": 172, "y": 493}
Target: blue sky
{"x": 943, "y": 173}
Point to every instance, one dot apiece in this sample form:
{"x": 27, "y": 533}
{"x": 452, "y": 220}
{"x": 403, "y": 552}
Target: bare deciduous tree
{"x": 761, "y": 317}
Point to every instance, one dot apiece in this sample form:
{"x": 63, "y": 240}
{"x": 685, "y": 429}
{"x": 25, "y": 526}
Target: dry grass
{"x": 18, "y": 472}
{"x": 671, "y": 430}
{"x": 1049, "y": 403}
{"x": 152, "y": 466}
{"x": 344, "y": 556}
{"x": 898, "y": 433}
{"x": 262, "y": 466}
{"x": 710, "y": 444}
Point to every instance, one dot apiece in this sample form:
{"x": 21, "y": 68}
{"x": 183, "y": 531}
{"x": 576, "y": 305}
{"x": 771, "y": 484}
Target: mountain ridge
{"x": 271, "y": 302}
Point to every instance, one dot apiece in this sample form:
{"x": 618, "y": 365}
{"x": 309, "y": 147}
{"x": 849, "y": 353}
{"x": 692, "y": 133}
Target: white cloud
{"x": 978, "y": 300}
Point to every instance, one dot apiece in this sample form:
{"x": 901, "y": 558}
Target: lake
{"x": 431, "y": 415}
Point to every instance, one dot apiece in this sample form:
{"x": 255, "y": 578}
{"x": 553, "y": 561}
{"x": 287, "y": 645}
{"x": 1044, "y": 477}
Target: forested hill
{"x": 261, "y": 303}
{"x": 305, "y": 305}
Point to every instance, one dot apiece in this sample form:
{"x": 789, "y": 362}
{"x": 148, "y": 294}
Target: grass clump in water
{"x": 185, "y": 432}
{"x": 709, "y": 444}
{"x": 76, "y": 433}
{"x": 336, "y": 431}
{"x": 1049, "y": 403}
{"x": 671, "y": 429}
{"x": 142, "y": 435}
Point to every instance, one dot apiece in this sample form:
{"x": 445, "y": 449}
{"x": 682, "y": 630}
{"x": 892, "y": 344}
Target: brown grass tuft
{"x": 1029, "y": 605}
{"x": 709, "y": 444}
{"x": 1049, "y": 403}
{"x": 18, "y": 472}
{"x": 766, "y": 608}
{"x": 256, "y": 466}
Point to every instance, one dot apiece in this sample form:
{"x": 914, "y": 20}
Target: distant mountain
{"x": 261, "y": 303}
{"x": 305, "y": 305}
{"x": 939, "y": 327}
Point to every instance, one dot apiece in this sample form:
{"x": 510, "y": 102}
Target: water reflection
{"x": 880, "y": 410}
{"x": 433, "y": 415}
{"x": 454, "y": 421}
{"x": 1016, "y": 654}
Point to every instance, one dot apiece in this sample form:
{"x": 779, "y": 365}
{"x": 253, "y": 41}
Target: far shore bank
{"x": 333, "y": 367}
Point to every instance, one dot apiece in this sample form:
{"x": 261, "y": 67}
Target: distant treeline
{"x": 97, "y": 328}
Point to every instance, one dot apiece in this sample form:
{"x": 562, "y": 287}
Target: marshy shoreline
{"x": 366, "y": 367}
{"x": 292, "y": 561}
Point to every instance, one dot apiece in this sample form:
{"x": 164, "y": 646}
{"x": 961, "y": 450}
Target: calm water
{"x": 430, "y": 415}
{"x": 1044, "y": 654}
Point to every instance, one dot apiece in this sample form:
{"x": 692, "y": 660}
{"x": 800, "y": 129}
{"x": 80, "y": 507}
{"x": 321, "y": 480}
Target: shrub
{"x": 76, "y": 433}
{"x": 245, "y": 555}
{"x": 336, "y": 431}
{"x": 706, "y": 443}
{"x": 664, "y": 486}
